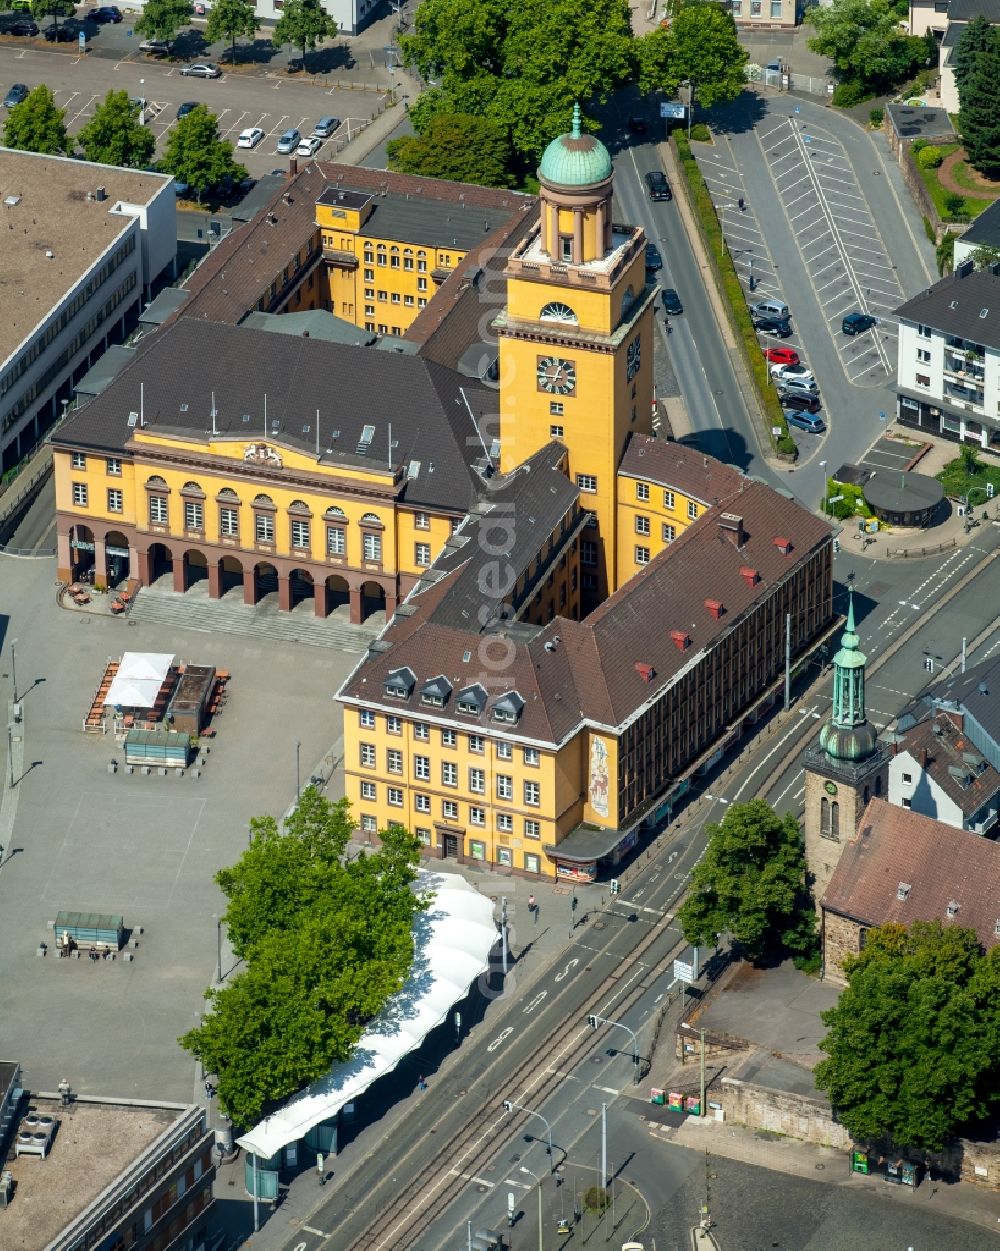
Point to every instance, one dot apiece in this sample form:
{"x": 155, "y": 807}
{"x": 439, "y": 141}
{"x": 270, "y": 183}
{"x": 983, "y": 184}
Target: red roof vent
{"x": 784, "y": 546}
{"x": 681, "y": 638}
{"x": 715, "y": 607}
{"x": 750, "y": 576}
{"x": 646, "y": 672}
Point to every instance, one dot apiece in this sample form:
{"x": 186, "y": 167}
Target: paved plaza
{"x": 77, "y": 838}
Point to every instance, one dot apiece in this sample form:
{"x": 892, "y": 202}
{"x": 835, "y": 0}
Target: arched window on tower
{"x": 835, "y": 819}
{"x": 824, "y": 817}
{"x": 556, "y": 311}
{"x": 878, "y": 787}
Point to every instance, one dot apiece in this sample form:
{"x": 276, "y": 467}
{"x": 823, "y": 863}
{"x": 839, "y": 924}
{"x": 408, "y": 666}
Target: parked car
{"x": 804, "y": 421}
{"x": 201, "y": 9}
{"x": 250, "y": 137}
{"x": 778, "y": 326}
{"x": 657, "y": 185}
{"x": 15, "y": 94}
{"x": 637, "y": 125}
{"x": 288, "y": 142}
{"x": 799, "y": 386}
{"x": 770, "y": 308}
{"x": 654, "y": 260}
{"x": 326, "y": 126}
{"x": 60, "y": 34}
{"x": 23, "y": 26}
{"x": 106, "y": 13}
{"x": 783, "y": 372}
{"x": 155, "y": 47}
{"x": 309, "y": 146}
{"x": 201, "y": 69}
{"x": 187, "y": 107}
{"x": 802, "y": 403}
{"x": 672, "y": 302}
{"x": 857, "y": 323}
{"x": 781, "y": 356}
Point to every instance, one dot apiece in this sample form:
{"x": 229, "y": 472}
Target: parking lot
{"x": 147, "y": 848}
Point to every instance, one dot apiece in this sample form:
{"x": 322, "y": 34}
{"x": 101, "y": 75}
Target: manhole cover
{"x": 599, "y": 925}
{"x": 482, "y": 1189}
{"x": 820, "y": 1168}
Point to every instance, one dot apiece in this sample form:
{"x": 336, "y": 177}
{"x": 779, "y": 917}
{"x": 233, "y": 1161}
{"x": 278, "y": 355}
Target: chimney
{"x": 293, "y": 166}
{"x": 645, "y": 671}
{"x": 924, "y": 757}
{"x": 681, "y": 639}
{"x": 731, "y": 528}
{"x": 750, "y": 576}
{"x": 101, "y": 193}
{"x": 305, "y": 334}
{"x": 784, "y": 546}
{"x": 715, "y": 607}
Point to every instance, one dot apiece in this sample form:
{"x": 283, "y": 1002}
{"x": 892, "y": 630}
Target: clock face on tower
{"x": 555, "y": 375}
{"x": 634, "y": 358}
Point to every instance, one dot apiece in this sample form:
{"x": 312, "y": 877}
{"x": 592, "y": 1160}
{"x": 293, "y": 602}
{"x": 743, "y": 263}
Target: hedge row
{"x": 728, "y": 282}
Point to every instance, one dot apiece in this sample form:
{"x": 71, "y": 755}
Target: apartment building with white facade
{"x": 82, "y": 246}
{"x": 948, "y": 368}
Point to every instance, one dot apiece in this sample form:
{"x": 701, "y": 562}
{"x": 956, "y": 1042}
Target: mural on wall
{"x": 599, "y": 777}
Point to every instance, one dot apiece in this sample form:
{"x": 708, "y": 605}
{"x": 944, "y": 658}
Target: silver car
{"x": 797, "y": 386}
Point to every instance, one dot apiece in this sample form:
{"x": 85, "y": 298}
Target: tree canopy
{"x": 36, "y": 125}
{"x": 979, "y": 97}
{"x": 55, "y": 8}
{"x": 325, "y": 942}
{"x": 229, "y": 19}
{"x": 162, "y": 19}
{"x": 913, "y": 1052}
{"x": 303, "y": 23}
{"x": 700, "y": 45}
{"x": 865, "y": 42}
{"x": 457, "y": 146}
{"x": 521, "y": 66}
{"x": 978, "y": 36}
{"x": 751, "y": 883}
{"x": 196, "y": 155}
{"x": 115, "y": 135}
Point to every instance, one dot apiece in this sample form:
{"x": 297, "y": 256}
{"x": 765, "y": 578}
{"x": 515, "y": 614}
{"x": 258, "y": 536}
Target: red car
{"x": 781, "y": 356}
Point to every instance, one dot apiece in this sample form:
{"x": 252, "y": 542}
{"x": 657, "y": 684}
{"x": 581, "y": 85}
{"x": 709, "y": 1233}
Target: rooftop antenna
{"x": 214, "y": 431}
{"x": 265, "y": 414}
{"x": 472, "y": 418}
{"x": 390, "y": 444}
{"x": 142, "y": 404}
{"x": 317, "y": 431}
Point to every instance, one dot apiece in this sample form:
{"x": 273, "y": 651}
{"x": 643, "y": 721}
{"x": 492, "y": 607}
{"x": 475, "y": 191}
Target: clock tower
{"x": 575, "y": 340}
{"x": 847, "y": 768}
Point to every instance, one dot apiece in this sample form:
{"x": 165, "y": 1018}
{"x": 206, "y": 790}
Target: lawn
{"x": 974, "y": 203}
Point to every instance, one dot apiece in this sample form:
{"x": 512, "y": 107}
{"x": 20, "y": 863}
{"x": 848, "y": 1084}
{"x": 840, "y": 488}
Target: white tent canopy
{"x": 138, "y": 680}
{"x": 453, "y": 941}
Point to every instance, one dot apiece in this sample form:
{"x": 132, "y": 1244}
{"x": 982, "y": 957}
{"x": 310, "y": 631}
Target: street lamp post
{"x": 593, "y": 1021}
{"x": 13, "y": 667}
{"x": 509, "y": 1106}
{"x": 298, "y": 783}
{"x": 538, "y": 1183}
{"x": 689, "y": 83}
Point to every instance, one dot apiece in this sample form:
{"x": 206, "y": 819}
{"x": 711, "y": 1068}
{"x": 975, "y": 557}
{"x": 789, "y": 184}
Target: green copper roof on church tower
{"x": 848, "y": 735}
{"x": 575, "y": 159}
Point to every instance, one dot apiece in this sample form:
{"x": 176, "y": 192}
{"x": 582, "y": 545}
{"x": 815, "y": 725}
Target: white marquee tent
{"x": 453, "y": 941}
{"x": 138, "y": 680}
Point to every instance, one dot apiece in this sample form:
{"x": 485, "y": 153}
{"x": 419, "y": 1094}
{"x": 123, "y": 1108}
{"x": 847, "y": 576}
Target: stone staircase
{"x": 195, "y": 611}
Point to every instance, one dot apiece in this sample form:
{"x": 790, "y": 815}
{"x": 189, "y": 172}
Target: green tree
{"x": 522, "y": 66}
{"x": 980, "y": 115}
{"x": 325, "y": 942}
{"x": 36, "y": 125}
{"x": 115, "y": 136}
{"x": 865, "y": 43}
{"x": 984, "y": 255}
{"x": 163, "y": 19}
{"x": 229, "y": 19}
{"x": 196, "y": 155}
{"x": 978, "y": 36}
{"x": 945, "y": 253}
{"x": 913, "y": 1052}
{"x": 303, "y": 23}
{"x": 55, "y": 8}
{"x": 702, "y": 46}
{"x": 751, "y": 883}
{"x": 456, "y": 146}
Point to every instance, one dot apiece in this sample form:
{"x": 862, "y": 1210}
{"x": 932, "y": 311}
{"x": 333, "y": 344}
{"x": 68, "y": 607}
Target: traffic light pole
{"x": 593, "y": 1021}
{"x": 509, "y": 1106}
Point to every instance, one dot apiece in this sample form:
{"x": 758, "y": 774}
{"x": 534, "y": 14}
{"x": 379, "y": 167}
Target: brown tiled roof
{"x": 896, "y": 848}
{"x": 240, "y": 270}
{"x": 946, "y": 748}
{"x": 679, "y": 467}
{"x": 588, "y": 674}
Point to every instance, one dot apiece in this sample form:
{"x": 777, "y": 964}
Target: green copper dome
{"x": 576, "y": 159}
{"x": 848, "y": 735}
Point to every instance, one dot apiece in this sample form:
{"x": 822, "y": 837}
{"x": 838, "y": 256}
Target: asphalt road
{"x": 892, "y": 598}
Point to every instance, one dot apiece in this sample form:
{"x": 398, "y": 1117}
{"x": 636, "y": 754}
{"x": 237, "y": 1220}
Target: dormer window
{"x": 508, "y": 707}
{"x": 952, "y": 909}
{"x": 400, "y": 683}
{"x": 472, "y": 700}
{"x": 903, "y": 890}
{"x": 436, "y": 692}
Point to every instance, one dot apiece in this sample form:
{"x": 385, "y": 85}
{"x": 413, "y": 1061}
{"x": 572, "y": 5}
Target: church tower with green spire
{"x": 848, "y": 766}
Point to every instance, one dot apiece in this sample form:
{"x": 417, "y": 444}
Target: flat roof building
{"x": 82, "y": 245}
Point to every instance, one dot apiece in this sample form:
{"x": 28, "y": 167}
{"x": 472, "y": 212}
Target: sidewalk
{"x": 801, "y": 1159}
